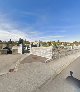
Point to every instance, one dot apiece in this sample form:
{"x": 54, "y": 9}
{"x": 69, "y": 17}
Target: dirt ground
{"x": 34, "y": 58}
{"x": 6, "y": 61}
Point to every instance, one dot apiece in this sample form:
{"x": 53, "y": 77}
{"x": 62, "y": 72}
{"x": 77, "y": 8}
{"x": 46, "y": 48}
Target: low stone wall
{"x": 42, "y": 51}
{"x": 51, "y": 52}
{"x": 3, "y": 51}
{"x": 14, "y": 51}
{"x": 63, "y": 53}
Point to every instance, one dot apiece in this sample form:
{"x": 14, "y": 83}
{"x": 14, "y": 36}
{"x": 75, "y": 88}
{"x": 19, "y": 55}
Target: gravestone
{"x": 20, "y": 49}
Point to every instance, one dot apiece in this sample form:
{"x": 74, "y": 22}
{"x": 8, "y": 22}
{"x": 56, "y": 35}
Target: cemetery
{"x": 36, "y": 48}
{"x": 19, "y": 67}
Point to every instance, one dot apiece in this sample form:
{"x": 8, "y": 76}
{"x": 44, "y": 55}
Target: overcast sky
{"x": 40, "y": 20}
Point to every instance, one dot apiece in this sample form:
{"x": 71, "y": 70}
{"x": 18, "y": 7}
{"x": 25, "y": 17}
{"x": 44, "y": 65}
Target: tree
{"x": 49, "y": 43}
{"x": 20, "y": 41}
{"x": 10, "y": 42}
{"x": 58, "y": 41}
{"x": 0, "y": 41}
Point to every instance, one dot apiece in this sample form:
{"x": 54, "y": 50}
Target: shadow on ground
{"x": 73, "y": 81}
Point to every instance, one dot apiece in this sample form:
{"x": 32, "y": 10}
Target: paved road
{"x": 64, "y": 82}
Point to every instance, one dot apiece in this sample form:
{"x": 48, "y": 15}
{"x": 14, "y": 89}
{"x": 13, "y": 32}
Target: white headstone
{"x": 20, "y": 49}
